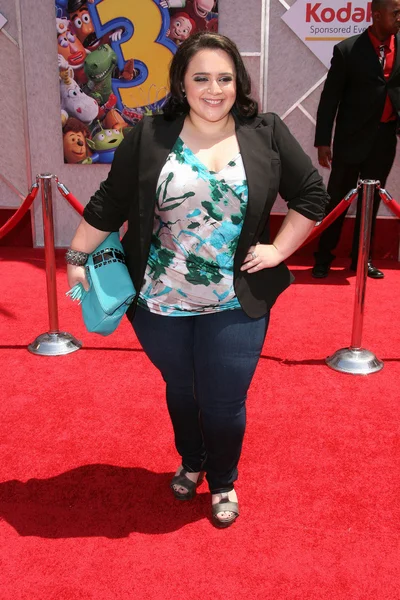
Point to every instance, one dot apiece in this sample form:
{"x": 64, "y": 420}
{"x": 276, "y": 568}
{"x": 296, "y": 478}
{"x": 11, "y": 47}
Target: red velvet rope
{"x": 390, "y": 202}
{"x": 341, "y": 207}
{"x": 70, "y": 198}
{"x": 27, "y": 203}
{"x": 22, "y": 210}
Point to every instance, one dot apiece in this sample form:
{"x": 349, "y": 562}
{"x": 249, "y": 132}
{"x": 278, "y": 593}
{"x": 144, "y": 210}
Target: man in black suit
{"x": 362, "y": 92}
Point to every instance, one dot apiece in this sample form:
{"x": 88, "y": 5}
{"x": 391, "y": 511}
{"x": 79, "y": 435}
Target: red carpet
{"x": 86, "y": 455}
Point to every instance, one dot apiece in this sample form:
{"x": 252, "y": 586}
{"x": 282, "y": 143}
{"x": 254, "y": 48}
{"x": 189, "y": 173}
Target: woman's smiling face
{"x": 210, "y": 84}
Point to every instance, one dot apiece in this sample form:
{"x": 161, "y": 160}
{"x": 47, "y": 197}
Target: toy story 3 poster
{"x": 113, "y": 60}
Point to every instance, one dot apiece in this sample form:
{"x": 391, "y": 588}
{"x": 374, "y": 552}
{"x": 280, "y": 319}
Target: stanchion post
{"x": 355, "y": 359}
{"x": 50, "y": 257}
{"x": 369, "y": 187}
{"x": 54, "y": 342}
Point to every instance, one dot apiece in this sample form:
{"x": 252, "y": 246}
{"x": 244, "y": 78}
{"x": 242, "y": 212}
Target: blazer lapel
{"x": 255, "y": 147}
{"x": 158, "y": 139}
{"x": 368, "y": 53}
{"x": 396, "y": 64}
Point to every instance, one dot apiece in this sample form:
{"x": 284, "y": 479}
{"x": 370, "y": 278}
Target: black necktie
{"x": 382, "y": 56}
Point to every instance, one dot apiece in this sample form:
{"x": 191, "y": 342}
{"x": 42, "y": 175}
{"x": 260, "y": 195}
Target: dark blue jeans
{"x": 207, "y": 362}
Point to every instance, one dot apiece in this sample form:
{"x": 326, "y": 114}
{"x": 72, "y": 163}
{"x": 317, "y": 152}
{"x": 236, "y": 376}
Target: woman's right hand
{"x": 77, "y": 275}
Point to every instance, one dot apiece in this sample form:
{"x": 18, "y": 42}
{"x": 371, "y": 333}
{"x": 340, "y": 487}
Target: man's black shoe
{"x": 320, "y": 270}
{"x": 372, "y": 271}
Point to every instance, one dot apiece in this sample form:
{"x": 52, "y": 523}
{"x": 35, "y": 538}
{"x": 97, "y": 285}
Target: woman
{"x": 197, "y": 185}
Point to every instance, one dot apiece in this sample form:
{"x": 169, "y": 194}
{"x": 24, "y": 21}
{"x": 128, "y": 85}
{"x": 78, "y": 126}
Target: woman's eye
{"x": 200, "y": 79}
{"x": 226, "y": 79}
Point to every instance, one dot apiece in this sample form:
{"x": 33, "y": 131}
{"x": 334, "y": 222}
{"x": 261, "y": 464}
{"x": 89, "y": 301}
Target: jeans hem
{"x": 222, "y": 490}
{"x": 191, "y": 469}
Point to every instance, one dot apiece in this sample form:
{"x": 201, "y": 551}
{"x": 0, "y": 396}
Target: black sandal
{"x": 225, "y": 505}
{"x": 182, "y": 481}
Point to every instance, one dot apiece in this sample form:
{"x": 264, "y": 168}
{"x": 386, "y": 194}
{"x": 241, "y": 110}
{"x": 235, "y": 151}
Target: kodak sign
{"x": 321, "y": 25}
{"x": 319, "y": 13}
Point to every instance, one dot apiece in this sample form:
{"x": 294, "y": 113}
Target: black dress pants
{"x": 344, "y": 177}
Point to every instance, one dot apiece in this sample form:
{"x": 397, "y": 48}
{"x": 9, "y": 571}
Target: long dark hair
{"x": 245, "y": 106}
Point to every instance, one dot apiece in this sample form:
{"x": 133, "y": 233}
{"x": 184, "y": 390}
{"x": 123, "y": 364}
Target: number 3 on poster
{"x": 147, "y": 23}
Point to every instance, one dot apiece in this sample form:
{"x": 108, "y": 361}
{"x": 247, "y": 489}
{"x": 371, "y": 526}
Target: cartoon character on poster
{"x": 204, "y": 13}
{"x": 113, "y": 61}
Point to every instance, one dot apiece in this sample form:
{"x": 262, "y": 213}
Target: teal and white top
{"x": 198, "y": 219}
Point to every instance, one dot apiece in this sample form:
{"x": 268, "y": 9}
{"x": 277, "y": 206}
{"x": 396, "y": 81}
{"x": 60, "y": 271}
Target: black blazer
{"x": 274, "y": 162}
{"x": 355, "y": 92}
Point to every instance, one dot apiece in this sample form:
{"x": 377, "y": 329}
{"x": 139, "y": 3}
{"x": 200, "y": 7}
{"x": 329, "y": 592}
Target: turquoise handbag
{"x": 111, "y": 289}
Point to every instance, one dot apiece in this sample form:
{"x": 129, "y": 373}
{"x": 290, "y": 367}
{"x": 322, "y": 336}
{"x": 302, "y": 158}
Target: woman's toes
{"x": 180, "y": 490}
{"x": 224, "y": 516}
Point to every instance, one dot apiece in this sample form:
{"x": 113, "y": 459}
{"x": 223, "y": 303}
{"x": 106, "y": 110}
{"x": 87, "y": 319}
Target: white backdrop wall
{"x": 287, "y": 79}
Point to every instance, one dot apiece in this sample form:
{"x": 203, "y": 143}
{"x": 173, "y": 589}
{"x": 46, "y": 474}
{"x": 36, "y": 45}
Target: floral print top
{"x": 198, "y": 219}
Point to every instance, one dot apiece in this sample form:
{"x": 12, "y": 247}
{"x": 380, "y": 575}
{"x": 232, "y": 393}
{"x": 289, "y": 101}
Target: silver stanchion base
{"x": 356, "y": 361}
{"x": 54, "y": 344}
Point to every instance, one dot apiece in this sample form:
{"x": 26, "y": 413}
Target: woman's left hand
{"x": 261, "y": 256}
